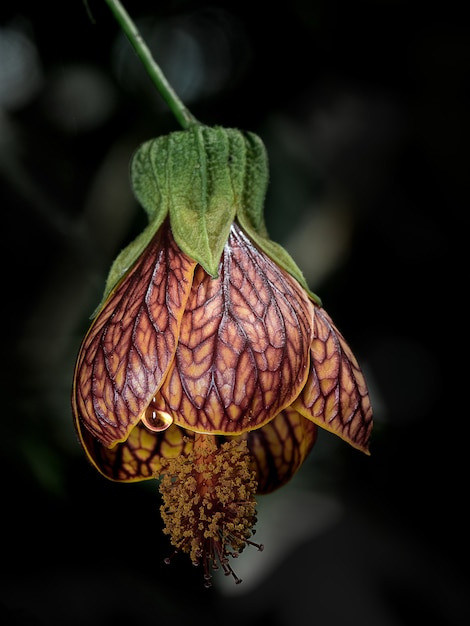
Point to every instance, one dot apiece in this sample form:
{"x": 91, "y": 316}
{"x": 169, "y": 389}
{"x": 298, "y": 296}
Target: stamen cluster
{"x": 209, "y": 506}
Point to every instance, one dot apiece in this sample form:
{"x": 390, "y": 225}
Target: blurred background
{"x": 363, "y": 107}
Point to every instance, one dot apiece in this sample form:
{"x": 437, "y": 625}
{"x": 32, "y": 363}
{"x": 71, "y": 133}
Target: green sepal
{"x": 203, "y": 179}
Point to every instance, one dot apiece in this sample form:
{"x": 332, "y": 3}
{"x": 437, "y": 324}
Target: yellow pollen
{"x": 208, "y": 502}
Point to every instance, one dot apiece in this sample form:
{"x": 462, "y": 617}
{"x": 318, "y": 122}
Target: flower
{"x": 209, "y": 363}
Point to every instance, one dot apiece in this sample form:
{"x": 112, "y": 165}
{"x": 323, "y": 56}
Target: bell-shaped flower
{"x": 209, "y": 363}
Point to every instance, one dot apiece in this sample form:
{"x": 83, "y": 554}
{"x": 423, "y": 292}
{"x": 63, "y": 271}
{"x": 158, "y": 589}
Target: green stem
{"x": 179, "y": 110}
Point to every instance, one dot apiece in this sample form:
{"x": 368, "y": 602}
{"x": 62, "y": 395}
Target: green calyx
{"x": 202, "y": 179}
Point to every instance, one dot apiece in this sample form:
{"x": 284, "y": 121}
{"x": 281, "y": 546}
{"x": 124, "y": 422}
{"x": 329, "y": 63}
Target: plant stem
{"x": 179, "y": 110}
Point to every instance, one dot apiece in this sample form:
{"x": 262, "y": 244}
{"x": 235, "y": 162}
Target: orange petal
{"x": 335, "y": 396}
{"x": 131, "y": 343}
{"x": 244, "y": 344}
{"x": 279, "y": 448}
{"x": 139, "y": 457}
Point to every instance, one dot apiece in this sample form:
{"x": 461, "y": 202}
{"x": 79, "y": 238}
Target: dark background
{"x": 363, "y": 107}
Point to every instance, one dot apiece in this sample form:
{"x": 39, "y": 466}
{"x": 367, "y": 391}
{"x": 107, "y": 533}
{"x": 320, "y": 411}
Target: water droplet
{"x": 156, "y": 420}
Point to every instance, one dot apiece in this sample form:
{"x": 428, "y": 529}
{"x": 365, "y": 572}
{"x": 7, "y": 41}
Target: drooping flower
{"x": 210, "y": 363}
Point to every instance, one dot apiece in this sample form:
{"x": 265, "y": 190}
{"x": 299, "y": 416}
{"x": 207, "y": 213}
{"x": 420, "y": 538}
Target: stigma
{"x": 208, "y": 503}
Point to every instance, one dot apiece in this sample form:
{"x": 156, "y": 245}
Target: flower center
{"x": 209, "y": 506}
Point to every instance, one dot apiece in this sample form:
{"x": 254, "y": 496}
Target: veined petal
{"x": 139, "y": 457}
{"x": 243, "y": 349}
{"x": 132, "y": 341}
{"x": 335, "y": 395}
{"x": 279, "y": 448}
